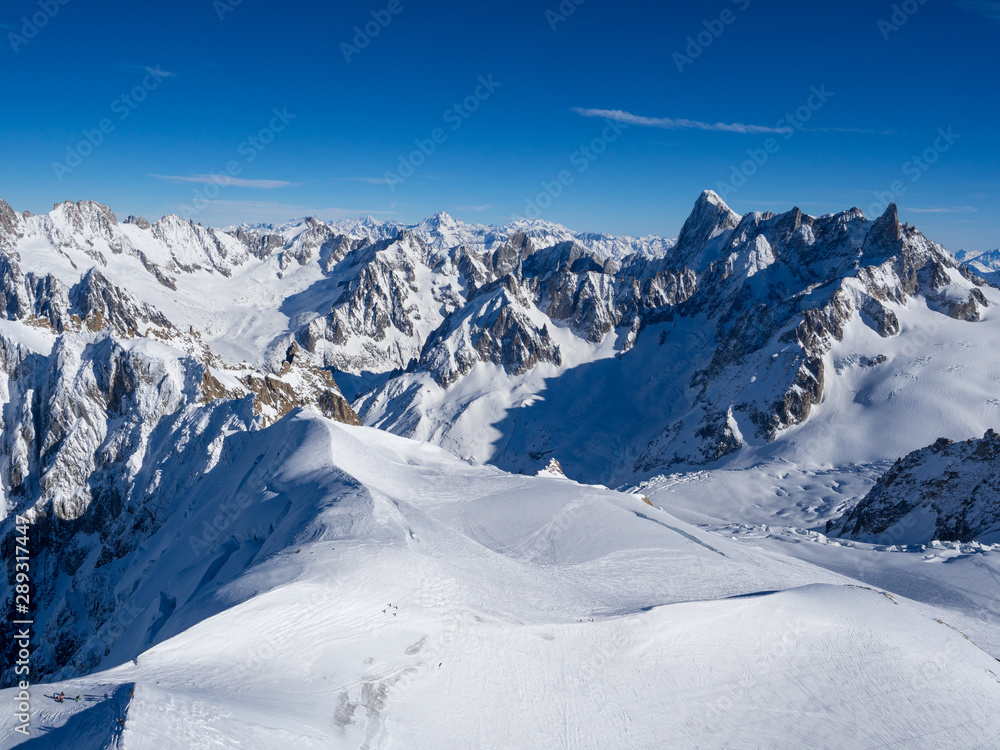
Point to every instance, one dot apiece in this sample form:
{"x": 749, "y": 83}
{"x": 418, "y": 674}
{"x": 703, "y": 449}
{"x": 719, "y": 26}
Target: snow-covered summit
{"x": 985, "y": 264}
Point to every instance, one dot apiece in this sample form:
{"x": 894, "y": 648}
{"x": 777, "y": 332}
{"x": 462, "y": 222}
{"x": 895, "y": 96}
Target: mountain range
{"x": 295, "y": 425}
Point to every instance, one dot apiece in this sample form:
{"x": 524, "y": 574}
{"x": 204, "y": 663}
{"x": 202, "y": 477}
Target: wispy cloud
{"x": 225, "y": 180}
{"x": 366, "y": 180}
{"x": 985, "y": 8}
{"x": 667, "y": 123}
{"x": 385, "y": 180}
{"x": 944, "y": 210}
{"x": 484, "y": 207}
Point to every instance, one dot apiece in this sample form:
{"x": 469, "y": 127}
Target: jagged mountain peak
{"x": 444, "y": 231}
{"x": 711, "y": 198}
{"x": 373, "y": 300}
{"x": 84, "y": 216}
{"x": 138, "y": 221}
{"x": 710, "y": 219}
{"x": 888, "y": 223}
{"x": 7, "y": 214}
{"x": 84, "y": 206}
{"x": 11, "y": 225}
{"x": 886, "y": 236}
{"x": 441, "y": 218}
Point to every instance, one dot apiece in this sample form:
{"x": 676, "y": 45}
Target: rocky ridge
{"x": 947, "y": 491}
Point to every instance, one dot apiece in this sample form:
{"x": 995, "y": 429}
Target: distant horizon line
{"x": 514, "y": 220}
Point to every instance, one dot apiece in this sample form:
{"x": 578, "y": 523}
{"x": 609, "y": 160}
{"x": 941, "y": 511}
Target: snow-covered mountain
{"x": 948, "y": 491}
{"x": 444, "y": 232}
{"x": 625, "y": 359}
{"x": 985, "y": 264}
{"x": 203, "y": 499}
{"x": 716, "y": 351}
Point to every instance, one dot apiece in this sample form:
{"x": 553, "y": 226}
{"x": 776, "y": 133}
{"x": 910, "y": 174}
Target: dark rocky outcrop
{"x": 947, "y": 491}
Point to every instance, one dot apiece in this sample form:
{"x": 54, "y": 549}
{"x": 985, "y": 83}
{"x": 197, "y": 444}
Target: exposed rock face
{"x": 495, "y": 329}
{"x": 80, "y": 418}
{"x": 138, "y": 221}
{"x": 778, "y": 291}
{"x": 10, "y": 226}
{"x": 100, "y": 395}
{"x": 94, "y": 303}
{"x": 99, "y": 303}
{"x": 947, "y": 491}
{"x": 297, "y": 384}
{"x": 195, "y": 248}
{"x": 794, "y": 279}
{"x": 83, "y": 430}
{"x": 554, "y": 469}
{"x": 704, "y": 233}
{"x": 86, "y": 434}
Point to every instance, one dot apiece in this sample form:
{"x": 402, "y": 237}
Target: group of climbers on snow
{"x": 62, "y": 698}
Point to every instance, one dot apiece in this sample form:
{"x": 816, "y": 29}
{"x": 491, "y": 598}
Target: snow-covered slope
{"x": 362, "y": 586}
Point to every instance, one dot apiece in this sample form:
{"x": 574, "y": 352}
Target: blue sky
{"x": 148, "y": 107}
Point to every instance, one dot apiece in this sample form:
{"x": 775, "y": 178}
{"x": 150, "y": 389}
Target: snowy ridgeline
{"x": 166, "y": 426}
